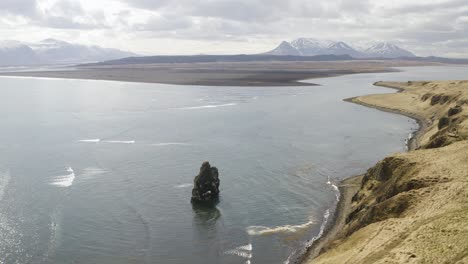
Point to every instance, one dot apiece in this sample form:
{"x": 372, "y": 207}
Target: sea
{"x": 102, "y": 171}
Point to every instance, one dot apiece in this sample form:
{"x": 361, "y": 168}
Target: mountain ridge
{"x": 312, "y": 47}
{"x": 54, "y": 51}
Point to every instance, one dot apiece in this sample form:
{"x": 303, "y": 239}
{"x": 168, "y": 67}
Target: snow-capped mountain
{"x": 52, "y": 51}
{"x": 285, "y": 48}
{"x": 387, "y": 50}
{"x": 312, "y": 47}
{"x": 341, "y": 48}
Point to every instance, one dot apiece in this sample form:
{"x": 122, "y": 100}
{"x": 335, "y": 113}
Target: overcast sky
{"x": 426, "y": 27}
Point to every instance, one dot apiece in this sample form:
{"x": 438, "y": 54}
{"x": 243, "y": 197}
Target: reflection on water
{"x": 205, "y": 217}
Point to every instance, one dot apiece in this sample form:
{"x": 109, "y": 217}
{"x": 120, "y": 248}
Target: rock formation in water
{"x": 206, "y": 185}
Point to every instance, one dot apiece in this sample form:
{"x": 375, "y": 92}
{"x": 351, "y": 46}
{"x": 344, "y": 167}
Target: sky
{"x": 153, "y": 27}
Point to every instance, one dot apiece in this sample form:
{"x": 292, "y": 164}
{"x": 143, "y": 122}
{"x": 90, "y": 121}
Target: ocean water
{"x": 101, "y": 172}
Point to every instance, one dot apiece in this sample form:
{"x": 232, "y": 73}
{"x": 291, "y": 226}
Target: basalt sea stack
{"x": 206, "y": 185}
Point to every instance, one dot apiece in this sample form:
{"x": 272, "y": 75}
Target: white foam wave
{"x": 96, "y": 140}
{"x": 242, "y": 251}
{"x": 239, "y": 253}
{"x": 262, "y": 230}
{"x": 184, "y": 185}
{"x": 206, "y": 106}
{"x": 170, "y": 144}
{"x": 335, "y": 188}
{"x": 408, "y": 140}
{"x": 326, "y": 217}
{"x": 120, "y": 141}
{"x": 65, "y": 180}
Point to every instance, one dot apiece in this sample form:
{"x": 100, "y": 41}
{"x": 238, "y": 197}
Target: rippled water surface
{"x": 101, "y": 172}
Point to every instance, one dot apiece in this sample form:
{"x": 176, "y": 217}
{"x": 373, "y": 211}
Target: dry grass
{"x": 413, "y": 207}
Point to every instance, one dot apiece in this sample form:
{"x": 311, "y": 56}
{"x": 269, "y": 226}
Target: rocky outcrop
{"x": 440, "y": 99}
{"x": 206, "y": 185}
{"x": 443, "y": 122}
{"x": 454, "y": 110}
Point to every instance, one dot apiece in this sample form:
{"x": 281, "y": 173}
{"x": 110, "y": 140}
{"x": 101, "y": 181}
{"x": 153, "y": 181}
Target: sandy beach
{"x": 410, "y": 207}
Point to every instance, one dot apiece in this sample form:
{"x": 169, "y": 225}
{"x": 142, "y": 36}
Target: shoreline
{"x": 349, "y": 186}
{"x": 252, "y": 74}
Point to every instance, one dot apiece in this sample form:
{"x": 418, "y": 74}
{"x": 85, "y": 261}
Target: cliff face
{"x": 413, "y": 207}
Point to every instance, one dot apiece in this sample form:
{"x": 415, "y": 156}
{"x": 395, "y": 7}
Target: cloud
{"x": 425, "y": 26}
{"x": 18, "y": 7}
{"x": 427, "y": 7}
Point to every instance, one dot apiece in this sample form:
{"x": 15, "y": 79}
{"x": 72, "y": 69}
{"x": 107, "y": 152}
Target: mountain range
{"x": 313, "y": 47}
{"x": 53, "y": 51}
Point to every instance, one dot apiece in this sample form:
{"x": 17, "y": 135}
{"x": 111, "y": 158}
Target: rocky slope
{"x": 412, "y": 207}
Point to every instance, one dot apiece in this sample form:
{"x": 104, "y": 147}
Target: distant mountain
{"x": 439, "y": 60}
{"x": 387, "y": 50}
{"x": 218, "y": 58}
{"x": 341, "y": 48}
{"x": 15, "y": 53}
{"x": 312, "y": 47}
{"x": 52, "y": 51}
{"x": 285, "y": 49}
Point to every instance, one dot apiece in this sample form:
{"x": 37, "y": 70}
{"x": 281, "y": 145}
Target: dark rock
{"x": 206, "y": 185}
{"x": 443, "y": 122}
{"x": 454, "y": 110}
{"x": 439, "y": 99}
{"x": 426, "y": 96}
{"x": 438, "y": 142}
{"x": 382, "y": 171}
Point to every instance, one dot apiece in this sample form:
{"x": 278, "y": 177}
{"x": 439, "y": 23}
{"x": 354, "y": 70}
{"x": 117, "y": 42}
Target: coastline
{"x": 423, "y": 124}
{"x": 349, "y": 186}
{"x": 253, "y": 74}
{"x": 411, "y": 207}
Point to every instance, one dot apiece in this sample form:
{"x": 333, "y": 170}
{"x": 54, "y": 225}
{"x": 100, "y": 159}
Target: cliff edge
{"x": 412, "y": 207}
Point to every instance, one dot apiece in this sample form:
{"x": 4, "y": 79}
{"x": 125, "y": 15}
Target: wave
{"x": 308, "y": 244}
{"x": 326, "y": 217}
{"x": 96, "y": 140}
{"x": 184, "y": 185}
{"x": 262, "y": 230}
{"x": 408, "y": 140}
{"x": 335, "y": 188}
{"x": 206, "y": 106}
{"x": 170, "y": 144}
{"x": 120, "y": 141}
{"x": 242, "y": 251}
{"x": 65, "y": 180}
